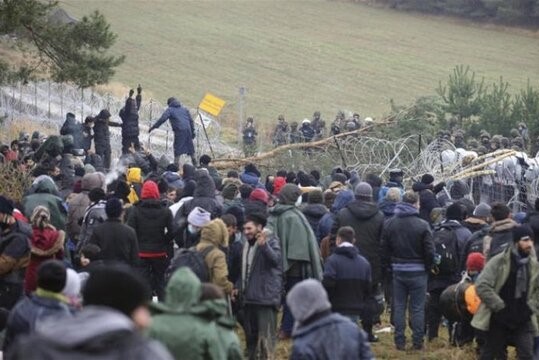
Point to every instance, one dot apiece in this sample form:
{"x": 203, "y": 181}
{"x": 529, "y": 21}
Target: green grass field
{"x": 295, "y": 57}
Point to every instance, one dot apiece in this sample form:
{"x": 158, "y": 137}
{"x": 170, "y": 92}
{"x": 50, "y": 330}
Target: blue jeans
{"x": 413, "y": 286}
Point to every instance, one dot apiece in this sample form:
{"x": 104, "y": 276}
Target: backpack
{"x": 93, "y": 216}
{"x": 445, "y": 248}
{"x": 194, "y": 260}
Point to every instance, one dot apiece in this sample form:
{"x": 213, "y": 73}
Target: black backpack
{"x": 445, "y": 247}
{"x": 194, "y": 260}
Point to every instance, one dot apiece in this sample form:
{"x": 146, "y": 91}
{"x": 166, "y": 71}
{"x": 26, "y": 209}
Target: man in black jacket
{"x": 102, "y": 136}
{"x": 118, "y": 242}
{"x": 261, "y": 287}
{"x": 409, "y": 251}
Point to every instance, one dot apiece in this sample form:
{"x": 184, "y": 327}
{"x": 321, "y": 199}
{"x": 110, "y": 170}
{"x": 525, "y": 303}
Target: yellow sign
{"x": 211, "y": 104}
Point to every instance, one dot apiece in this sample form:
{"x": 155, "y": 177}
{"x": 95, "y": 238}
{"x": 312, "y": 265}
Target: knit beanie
{"x": 340, "y": 177}
{"x": 289, "y": 194}
{"x": 522, "y": 231}
{"x": 113, "y": 208}
{"x": 306, "y": 299}
{"x": 198, "y": 217}
{"x": 229, "y": 191}
{"x": 363, "y": 190}
{"x": 315, "y": 197}
{"x": 482, "y": 210}
{"x": 117, "y": 287}
{"x": 260, "y": 195}
{"x": 150, "y": 190}
{"x": 73, "y": 284}
{"x": 475, "y": 262}
{"x": 104, "y": 114}
{"x": 454, "y": 212}
{"x": 215, "y": 232}
{"x": 6, "y": 205}
{"x": 427, "y": 179}
{"x": 278, "y": 184}
{"x": 51, "y": 276}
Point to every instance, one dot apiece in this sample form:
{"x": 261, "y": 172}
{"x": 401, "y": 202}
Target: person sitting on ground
{"x": 319, "y": 333}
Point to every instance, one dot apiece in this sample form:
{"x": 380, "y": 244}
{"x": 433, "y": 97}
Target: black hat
{"x": 113, "y": 208}
{"x": 117, "y": 287}
{"x": 6, "y": 205}
{"x": 427, "y": 179}
{"x": 172, "y": 168}
{"x": 51, "y": 276}
{"x": 104, "y": 114}
{"x": 522, "y": 231}
{"x": 455, "y": 211}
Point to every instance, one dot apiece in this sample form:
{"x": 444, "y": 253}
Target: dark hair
{"x": 281, "y": 173}
{"x": 500, "y": 211}
{"x": 51, "y": 276}
{"x": 96, "y": 194}
{"x": 229, "y": 220}
{"x": 410, "y": 197}
{"x": 347, "y": 234}
{"x": 455, "y": 211}
{"x": 315, "y": 174}
{"x": 205, "y": 159}
{"x": 233, "y": 174}
{"x": 162, "y": 186}
{"x": 91, "y": 251}
{"x": 257, "y": 219}
{"x": 245, "y": 191}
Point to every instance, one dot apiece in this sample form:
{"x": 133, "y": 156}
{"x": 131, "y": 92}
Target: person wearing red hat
{"x": 152, "y": 222}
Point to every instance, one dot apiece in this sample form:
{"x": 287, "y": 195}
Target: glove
{"x": 150, "y": 129}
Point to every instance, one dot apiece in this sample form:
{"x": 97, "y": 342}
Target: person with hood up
{"x": 109, "y": 326}
{"x": 172, "y": 178}
{"x": 73, "y": 128}
{"x": 427, "y": 198}
{"x": 387, "y": 206}
{"x": 258, "y": 202}
{"x": 396, "y": 177}
{"x": 183, "y": 127}
{"x": 203, "y": 197}
{"x": 365, "y": 218}
{"x": 14, "y": 254}
{"x": 46, "y": 243}
{"x": 177, "y": 322}
{"x": 47, "y": 302}
{"x": 251, "y": 176}
{"x": 205, "y": 161}
{"x": 230, "y": 194}
{"x": 215, "y": 234}
{"x": 152, "y": 222}
{"x": 102, "y": 136}
{"x": 320, "y": 334}
{"x": 327, "y": 242}
{"x": 315, "y": 208}
{"x": 408, "y": 253}
{"x": 130, "y": 126}
{"x": 44, "y": 192}
{"x": 300, "y": 254}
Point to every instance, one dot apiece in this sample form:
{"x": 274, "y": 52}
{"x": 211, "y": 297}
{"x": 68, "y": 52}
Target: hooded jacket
{"x": 215, "y": 234}
{"x": 314, "y": 213}
{"x": 407, "y": 241}
{"x": 367, "y": 222}
{"x": 45, "y": 193}
{"x": 427, "y": 200}
{"x": 177, "y": 324}
{"x": 106, "y": 334}
{"x": 182, "y": 124}
{"x": 152, "y": 221}
{"x": 73, "y": 128}
{"x": 117, "y": 241}
{"x": 14, "y": 253}
{"x": 499, "y": 237}
{"x": 204, "y": 197}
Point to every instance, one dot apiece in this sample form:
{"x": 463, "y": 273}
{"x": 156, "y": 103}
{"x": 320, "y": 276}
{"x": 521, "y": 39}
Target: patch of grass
{"x": 295, "y": 57}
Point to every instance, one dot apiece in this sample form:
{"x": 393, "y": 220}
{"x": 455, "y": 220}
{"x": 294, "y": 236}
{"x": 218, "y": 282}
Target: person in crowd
{"x": 300, "y": 255}
{"x": 47, "y": 302}
{"x": 258, "y": 202}
{"x": 320, "y": 334}
{"x": 236, "y": 242}
{"x": 152, "y": 222}
{"x": 183, "y": 127}
{"x": 396, "y": 177}
{"x": 102, "y": 124}
{"x": 205, "y": 161}
{"x": 72, "y": 127}
{"x": 532, "y": 219}
{"x": 327, "y": 240}
{"x": 347, "y": 277}
{"x": 130, "y": 122}
{"x": 387, "y": 205}
{"x": 46, "y": 243}
{"x": 251, "y": 176}
{"x": 116, "y": 241}
{"x": 14, "y": 254}
{"x": 44, "y": 192}
{"x": 408, "y": 252}
{"x": 479, "y": 219}
{"x": 94, "y": 215}
{"x": 260, "y": 287}
{"x": 203, "y": 197}
{"x": 115, "y": 309}
{"x": 215, "y": 235}
{"x": 427, "y": 198}
{"x": 365, "y": 218}
{"x": 508, "y": 289}
{"x": 188, "y": 235}
{"x": 315, "y": 208}
{"x": 87, "y": 134}
{"x": 500, "y": 235}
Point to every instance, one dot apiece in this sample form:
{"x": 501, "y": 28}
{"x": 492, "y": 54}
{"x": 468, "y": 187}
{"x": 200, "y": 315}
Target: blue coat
{"x": 182, "y": 125}
{"x": 330, "y": 337}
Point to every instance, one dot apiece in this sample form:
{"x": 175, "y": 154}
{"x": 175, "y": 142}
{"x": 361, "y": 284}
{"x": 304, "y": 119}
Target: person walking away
{"x": 509, "y": 291}
{"x": 183, "y": 127}
{"x": 260, "y": 287}
{"x": 320, "y": 334}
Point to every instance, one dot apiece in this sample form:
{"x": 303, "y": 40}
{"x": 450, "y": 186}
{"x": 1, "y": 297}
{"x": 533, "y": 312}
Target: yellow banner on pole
{"x": 211, "y": 104}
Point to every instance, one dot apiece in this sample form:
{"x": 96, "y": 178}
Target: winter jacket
{"x": 149, "y": 218}
{"x": 367, "y": 222}
{"x": 102, "y": 134}
{"x": 347, "y": 279}
{"x": 314, "y": 213}
{"x": 252, "y": 179}
{"x": 82, "y": 337}
{"x": 173, "y": 179}
{"x": 185, "y": 333}
{"x": 490, "y": 282}
{"x": 204, "y": 197}
{"x": 407, "y": 241}
{"x": 427, "y": 200}
{"x": 474, "y": 224}
{"x": 215, "y": 234}
{"x": 387, "y": 208}
{"x": 46, "y": 194}
{"x": 118, "y": 242}
{"x": 325, "y": 225}
{"x": 129, "y": 116}
{"x": 14, "y": 253}
{"x": 76, "y": 207}
{"x": 299, "y": 248}
{"x": 29, "y": 313}
{"x": 182, "y": 125}
{"x": 330, "y": 337}
{"x": 234, "y": 261}
{"x": 214, "y": 174}
{"x": 262, "y": 281}
{"x": 532, "y": 219}
{"x": 87, "y": 136}
{"x": 46, "y": 244}
{"x": 499, "y": 237}
{"x": 73, "y": 128}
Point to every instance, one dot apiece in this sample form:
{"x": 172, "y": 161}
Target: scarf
{"x": 52, "y": 295}
{"x": 521, "y": 286}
